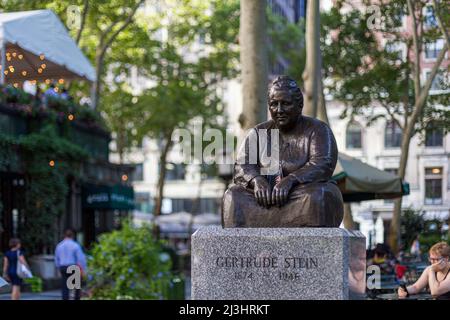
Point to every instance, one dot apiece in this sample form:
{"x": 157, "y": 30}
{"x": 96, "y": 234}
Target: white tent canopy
{"x": 39, "y": 47}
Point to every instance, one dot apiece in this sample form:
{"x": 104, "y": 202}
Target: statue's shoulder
{"x": 314, "y": 123}
{"x": 270, "y": 124}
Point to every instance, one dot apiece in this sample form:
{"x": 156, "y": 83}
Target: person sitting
{"x": 299, "y": 192}
{"x": 381, "y": 260}
{"x": 435, "y": 275}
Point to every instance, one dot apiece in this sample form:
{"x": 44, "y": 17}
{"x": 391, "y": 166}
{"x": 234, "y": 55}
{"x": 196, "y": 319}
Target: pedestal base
{"x": 277, "y": 263}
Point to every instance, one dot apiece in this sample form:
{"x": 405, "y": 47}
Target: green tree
{"x": 365, "y": 74}
{"x": 186, "y": 88}
{"x": 287, "y": 39}
{"x": 412, "y": 225}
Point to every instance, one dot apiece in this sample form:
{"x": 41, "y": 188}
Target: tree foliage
{"x": 366, "y": 73}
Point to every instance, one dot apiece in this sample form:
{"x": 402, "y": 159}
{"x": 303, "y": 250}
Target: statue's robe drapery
{"x": 310, "y": 155}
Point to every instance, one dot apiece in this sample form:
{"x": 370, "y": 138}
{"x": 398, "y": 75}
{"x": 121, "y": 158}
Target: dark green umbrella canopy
{"x": 359, "y": 181}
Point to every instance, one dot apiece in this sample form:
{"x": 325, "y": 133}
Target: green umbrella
{"x": 359, "y": 181}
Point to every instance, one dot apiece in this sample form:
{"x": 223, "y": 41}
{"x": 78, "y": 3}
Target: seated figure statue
{"x": 301, "y": 193}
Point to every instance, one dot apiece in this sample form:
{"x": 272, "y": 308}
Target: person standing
{"x": 415, "y": 248}
{"x": 10, "y": 260}
{"x": 69, "y": 253}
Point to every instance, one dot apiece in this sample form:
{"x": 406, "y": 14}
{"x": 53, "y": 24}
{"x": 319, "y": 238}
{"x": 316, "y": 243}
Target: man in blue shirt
{"x": 69, "y": 253}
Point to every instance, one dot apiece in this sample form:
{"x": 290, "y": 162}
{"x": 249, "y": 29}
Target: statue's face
{"x": 283, "y": 109}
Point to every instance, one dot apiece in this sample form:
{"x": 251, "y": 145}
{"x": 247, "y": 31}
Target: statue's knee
{"x": 231, "y": 197}
{"x": 233, "y": 191}
{"x": 324, "y": 192}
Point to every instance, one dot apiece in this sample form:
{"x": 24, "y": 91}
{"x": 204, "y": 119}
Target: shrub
{"x": 129, "y": 264}
{"x": 11, "y": 94}
{"x": 35, "y": 284}
{"x": 412, "y": 224}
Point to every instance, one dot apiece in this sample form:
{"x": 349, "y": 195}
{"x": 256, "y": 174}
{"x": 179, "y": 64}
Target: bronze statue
{"x": 301, "y": 193}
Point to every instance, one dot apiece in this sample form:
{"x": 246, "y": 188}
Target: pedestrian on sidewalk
{"x": 69, "y": 253}
{"x": 10, "y": 260}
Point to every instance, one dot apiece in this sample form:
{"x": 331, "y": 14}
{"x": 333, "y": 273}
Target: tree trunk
{"x": 162, "y": 176}
{"x": 448, "y": 223}
{"x": 394, "y": 232}
{"x": 311, "y": 74}
{"x": 321, "y": 106}
{"x": 349, "y": 224}
{"x": 254, "y": 62}
{"x": 95, "y": 89}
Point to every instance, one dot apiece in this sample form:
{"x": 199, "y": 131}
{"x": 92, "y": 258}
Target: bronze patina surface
{"x": 301, "y": 193}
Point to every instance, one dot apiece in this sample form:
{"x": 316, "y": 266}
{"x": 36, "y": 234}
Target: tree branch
{"x": 124, "y": 25}
{"x": 420, "y": 102}
{"x": 83, "y": 20}
{"x": 385, "y": 106}
{"x": 411, "y": 10}
{"x": 441, "y": 23}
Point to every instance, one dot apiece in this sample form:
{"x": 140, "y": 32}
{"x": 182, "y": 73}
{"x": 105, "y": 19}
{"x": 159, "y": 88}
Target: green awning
{"x": 116, "y": 197}
{"x": 359, "y": 181}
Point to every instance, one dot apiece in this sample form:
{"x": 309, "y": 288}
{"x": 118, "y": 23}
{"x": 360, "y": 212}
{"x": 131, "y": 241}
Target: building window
{"x": 175, "y": 171}
{"x": 138, "y": 174}
{"x": 434, "y": 136}
{"x": 397, "y": 49}
{"x": 196, "y": 206}
{"x": 439, "y": 81}
{"x": 393, "y": 135}
{"x": 430, "y": 18}
{"x": 433, "y": 185}
{"x": 208, "y": 171}
{"x": 432, "y": 49}
{"x": 353, "y": 136}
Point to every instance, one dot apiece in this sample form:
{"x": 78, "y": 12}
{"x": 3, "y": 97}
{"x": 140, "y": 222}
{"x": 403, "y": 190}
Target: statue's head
{"x": 285, "y": 101}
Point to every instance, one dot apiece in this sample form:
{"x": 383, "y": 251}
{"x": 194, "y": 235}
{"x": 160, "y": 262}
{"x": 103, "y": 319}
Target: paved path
{"x": 46, "y": 295}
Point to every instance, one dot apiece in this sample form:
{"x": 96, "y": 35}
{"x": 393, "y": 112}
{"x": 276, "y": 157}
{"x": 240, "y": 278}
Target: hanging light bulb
{"x": 61, "y": 81}
{"x": 20, "y": 56}
{"x": 42, "y": 57}
{"x": 47, "y": 81}
{"x": 24, "y": 73}
{"x": 39, "y": 70}
{"x": 14, "y": 54}
{"x": 8, "y": 58}
{"x": 43, "y": 66}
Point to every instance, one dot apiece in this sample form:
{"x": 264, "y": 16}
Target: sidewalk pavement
{"x": 46, "y": 295}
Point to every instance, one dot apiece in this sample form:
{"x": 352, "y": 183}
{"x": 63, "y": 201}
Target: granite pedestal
{"x": 277, "y": 263}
